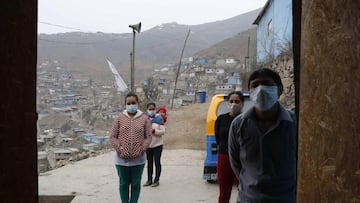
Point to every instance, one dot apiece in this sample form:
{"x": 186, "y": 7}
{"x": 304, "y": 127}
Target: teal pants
{"x": 129, "y": 176}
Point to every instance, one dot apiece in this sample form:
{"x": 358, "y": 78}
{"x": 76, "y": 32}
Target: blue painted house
{"x": 232, "y": 81}
{"x": 95, "y": 139}
{"x": 235, "y": 74}
{"x": 274, "y": 29}
{"x": 201, "y": 61}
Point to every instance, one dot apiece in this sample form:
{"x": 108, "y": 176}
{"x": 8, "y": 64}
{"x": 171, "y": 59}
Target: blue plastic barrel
{"x": 202, "y": 97}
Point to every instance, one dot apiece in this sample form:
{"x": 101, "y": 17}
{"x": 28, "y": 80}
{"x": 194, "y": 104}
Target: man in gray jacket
{"x": 262, "y": 144}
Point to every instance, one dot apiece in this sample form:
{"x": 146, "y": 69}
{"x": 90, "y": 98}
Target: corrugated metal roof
{"x": 258, "y": 18}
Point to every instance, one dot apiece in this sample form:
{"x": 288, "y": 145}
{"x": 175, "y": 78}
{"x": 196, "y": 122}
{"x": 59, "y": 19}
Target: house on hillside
{"x": 274, "y": 29}
{"x": 230, "y": 61}
{"x": 232, "y": 81}
{"x": 199, "y": 69}
{"x": 59, "y": 154}
{"x": 43, "y": 163}
{"x": 90, "y": 147}
{"x": 200, "y": 61}
{"x": 221, "y": 88}
{"x": 190, "y": 93}
{"x": 220, "y": 71}
{"x": 235, "y": 74}
{"x": 187, "y": 60}
{"x": 209, "y": 70}
{"x": 161, "y": 81}
{"x": 95, "y": 139}
{"x": 78, "y": 132}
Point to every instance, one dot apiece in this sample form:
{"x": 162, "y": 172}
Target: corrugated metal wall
{"x": 270, "y": 43}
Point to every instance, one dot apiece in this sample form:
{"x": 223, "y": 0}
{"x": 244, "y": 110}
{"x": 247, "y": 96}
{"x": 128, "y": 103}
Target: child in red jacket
{"x": 162, "y": 112}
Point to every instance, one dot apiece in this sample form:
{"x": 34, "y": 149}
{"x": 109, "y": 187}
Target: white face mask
{"x": 235, "y": 109}
{"x": 264, "y": 97}
{"x": 151, "y": 112}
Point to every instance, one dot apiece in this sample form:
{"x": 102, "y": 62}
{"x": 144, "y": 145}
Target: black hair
{"x": 267, "y": 73}
{"x": 237, "y": 93}
{"x": 150, "y": 103}
{"x": 132, "y": 94}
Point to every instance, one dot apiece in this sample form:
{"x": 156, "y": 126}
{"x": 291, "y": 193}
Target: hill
{"x": 85, "y": 53}
{"x": 235, "y": 47}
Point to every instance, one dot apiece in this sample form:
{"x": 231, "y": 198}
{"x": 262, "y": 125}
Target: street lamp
{"x": 135, "y": 28}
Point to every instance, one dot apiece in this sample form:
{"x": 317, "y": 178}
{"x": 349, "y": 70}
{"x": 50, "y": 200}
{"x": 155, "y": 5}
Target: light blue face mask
{"x": 151, "y": 112}
{"x": 264, "y": 97}
{"x": 131, "y": 108}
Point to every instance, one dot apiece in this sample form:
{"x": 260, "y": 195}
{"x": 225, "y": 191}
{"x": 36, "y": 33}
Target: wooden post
{"x": 329, "y": 117}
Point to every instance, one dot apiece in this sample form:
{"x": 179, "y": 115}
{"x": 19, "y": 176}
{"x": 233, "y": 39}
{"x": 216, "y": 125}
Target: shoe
{"x": 155, "y": 184}
{"x": 147, "y": 183}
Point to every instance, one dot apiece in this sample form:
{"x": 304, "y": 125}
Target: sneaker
{"x": 147, "y": 183}
{"x": 155, "y": 184}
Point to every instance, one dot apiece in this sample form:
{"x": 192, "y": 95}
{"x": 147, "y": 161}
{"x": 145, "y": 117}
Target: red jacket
{"x": 130, "y": 136}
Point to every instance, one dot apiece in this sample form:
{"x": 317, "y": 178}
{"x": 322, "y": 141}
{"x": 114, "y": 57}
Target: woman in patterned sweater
{"x": 130, "y": 136}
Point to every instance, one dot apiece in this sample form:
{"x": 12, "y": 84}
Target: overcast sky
{"x": 115, "y": 16}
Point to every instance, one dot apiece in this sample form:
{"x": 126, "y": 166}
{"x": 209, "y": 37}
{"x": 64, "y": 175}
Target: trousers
{"x": 129, "y": 177}
{"x": 154, "y": 154}
{"x": 226, "y": 178}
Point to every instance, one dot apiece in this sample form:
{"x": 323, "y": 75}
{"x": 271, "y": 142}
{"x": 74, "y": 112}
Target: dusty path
{"x": 94, "y": 180}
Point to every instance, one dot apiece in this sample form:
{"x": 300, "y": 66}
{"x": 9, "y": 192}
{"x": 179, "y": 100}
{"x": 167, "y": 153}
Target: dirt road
{"x": 94, "y": 180}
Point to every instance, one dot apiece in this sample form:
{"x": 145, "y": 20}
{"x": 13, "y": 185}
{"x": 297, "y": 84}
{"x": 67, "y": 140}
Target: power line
{"x": 61, "y": 26}
{"x": 172, "y": 39}
{"x": 96, "y": 42}
{"x": 78, "y": 43}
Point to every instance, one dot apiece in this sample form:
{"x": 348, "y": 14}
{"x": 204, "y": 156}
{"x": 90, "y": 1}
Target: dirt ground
{"x": 185, "y": 128}
{"x": 94, "y": 180}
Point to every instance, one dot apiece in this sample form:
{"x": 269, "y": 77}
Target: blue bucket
{"x": 202, "y": 97}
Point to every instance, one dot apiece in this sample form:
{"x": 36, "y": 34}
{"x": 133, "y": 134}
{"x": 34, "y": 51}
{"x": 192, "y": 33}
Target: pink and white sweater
{"x": 130, "y": 136}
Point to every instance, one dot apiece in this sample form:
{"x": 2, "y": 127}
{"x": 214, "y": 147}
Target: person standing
{"x": 130, "y": 136}
{"x": 262, "y": 144}
{"x": 226, "y": 176}
{"x": 154, "y": 152}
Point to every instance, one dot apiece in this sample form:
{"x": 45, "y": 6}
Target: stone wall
{"x": 284, "y": 65}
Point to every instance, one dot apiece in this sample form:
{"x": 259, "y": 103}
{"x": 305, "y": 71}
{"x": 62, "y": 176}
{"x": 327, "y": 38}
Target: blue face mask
{"x": 151, "y": 112}
{"x": 264, "y": 97}
{"x": 131, "y": 108}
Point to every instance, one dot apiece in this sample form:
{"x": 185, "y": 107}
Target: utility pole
{"x": 247, "y": 57}
{"x": 178, "y": 70}
{"x": 133, "y": 63}
{"x": 135, "y": 28}
{"x": 131, "y": 72}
